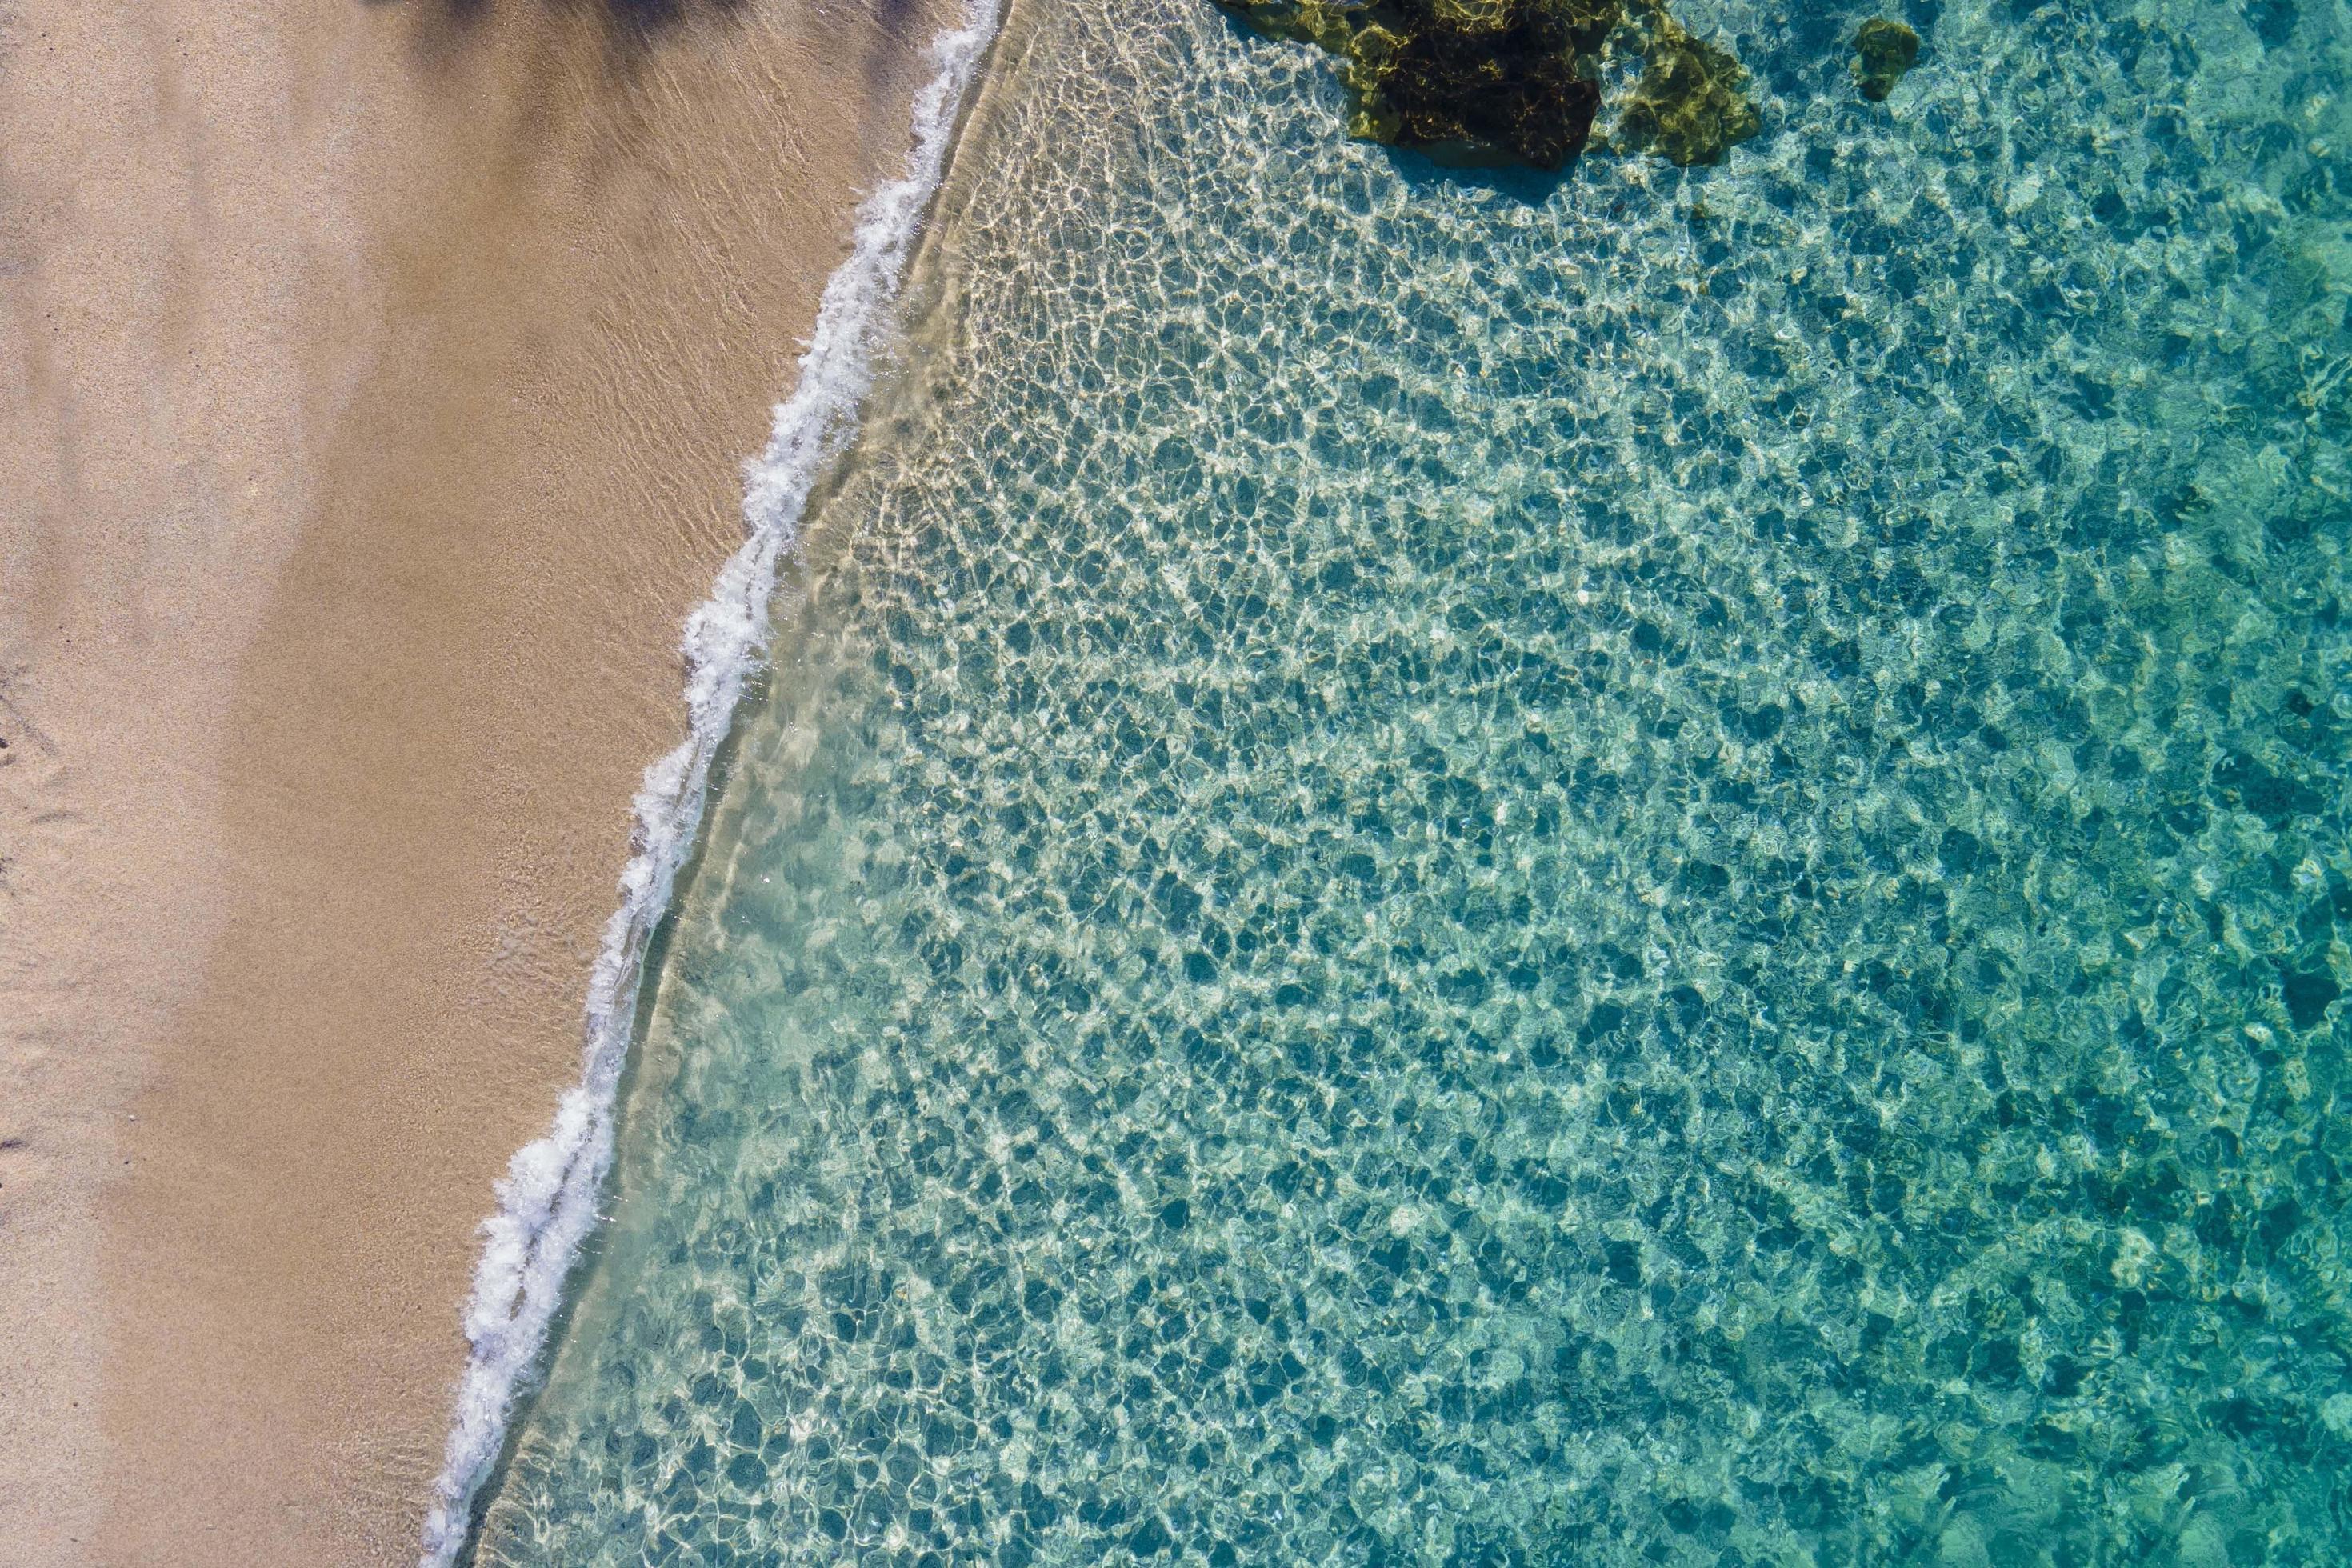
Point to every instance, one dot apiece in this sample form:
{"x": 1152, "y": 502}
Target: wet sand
{"x": 386, "y": 371}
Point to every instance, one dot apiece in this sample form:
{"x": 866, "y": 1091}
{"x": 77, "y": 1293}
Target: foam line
{"x": 547, "y": 1203}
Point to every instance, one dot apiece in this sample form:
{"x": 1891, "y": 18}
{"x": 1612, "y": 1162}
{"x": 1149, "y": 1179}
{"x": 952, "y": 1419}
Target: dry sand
{"x": 376, "y": 379}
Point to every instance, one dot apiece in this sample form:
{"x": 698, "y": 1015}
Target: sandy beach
{"x": 382, "y": 378}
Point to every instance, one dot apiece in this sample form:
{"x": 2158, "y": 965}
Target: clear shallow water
{"x": 1653, "y": 871}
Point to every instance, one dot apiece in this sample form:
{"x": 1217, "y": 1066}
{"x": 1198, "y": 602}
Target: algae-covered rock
{"x": 1882, "y": 51}
{"x": 1690, "y": 106}
{"x": 1509, "y": 80}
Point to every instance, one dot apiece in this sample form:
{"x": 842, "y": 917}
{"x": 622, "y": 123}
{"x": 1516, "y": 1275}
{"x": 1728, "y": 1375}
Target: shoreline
{"x": 360, "y": 497}
{"x": 548, "y": 1200}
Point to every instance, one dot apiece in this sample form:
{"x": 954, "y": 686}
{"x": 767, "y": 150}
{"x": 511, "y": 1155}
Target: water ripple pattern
{"x": 1652, "y": 871}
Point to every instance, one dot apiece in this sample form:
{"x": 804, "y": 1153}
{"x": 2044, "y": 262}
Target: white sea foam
{"x": 547, "y": 1204}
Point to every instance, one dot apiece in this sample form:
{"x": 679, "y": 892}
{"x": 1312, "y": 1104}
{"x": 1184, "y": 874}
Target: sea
{"x": 1437, "y": 866}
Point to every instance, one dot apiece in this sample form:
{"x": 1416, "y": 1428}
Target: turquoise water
{"x": 1651, "y": 868}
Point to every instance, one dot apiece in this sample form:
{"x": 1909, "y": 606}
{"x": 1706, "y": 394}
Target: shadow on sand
{"x": 630, "y": 27}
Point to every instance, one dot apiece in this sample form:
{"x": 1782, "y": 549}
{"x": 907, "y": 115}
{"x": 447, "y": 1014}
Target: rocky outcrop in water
{"x": 1489, "y": 82}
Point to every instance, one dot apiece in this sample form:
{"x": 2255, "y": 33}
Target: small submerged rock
{"x": 1691, "y": 106}
{"x": 1882, "y": 51}
{"x": 1498, "y": 81}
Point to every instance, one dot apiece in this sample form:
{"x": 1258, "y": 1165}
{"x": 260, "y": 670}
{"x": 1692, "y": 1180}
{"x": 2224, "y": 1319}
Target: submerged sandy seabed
{"x": 384, "y": 375}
